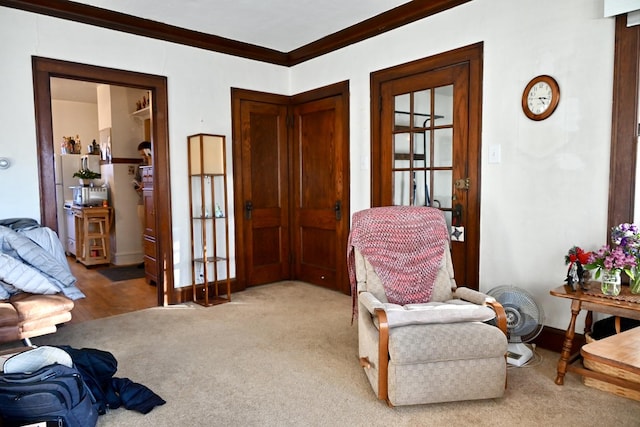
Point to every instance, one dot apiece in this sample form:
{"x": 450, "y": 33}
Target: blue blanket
{"x": 32, "y": 260}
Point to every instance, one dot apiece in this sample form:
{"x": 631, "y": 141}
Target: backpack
{"x": 54, "y": 393}
{"x": 97, "y": 368}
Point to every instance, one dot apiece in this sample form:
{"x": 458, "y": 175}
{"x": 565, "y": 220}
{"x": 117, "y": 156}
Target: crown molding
{"x": 379, "y": 24}
{"x": 144, "y": 27}
{"x": 91, "y": 15}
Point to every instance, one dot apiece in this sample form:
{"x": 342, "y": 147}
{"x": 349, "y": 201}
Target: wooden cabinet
{"x": 149, "y": 231}
{"x": 210, "y": 265}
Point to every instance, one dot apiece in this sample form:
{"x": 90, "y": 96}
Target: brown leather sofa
{"x": 26, "y": 315}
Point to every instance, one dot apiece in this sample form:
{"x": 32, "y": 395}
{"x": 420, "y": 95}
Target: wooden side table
{"x": 624, "y": 305}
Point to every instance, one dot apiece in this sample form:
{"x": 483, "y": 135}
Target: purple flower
{"x": 625, "y": 235}
{"x": 623, "y": 254}
{"x": 612, "y": 259}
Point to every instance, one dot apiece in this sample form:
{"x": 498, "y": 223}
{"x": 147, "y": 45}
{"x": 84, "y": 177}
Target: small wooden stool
{"x": 614, "y": 364}
{"x": 97, "y": 238}
{"x": 92, "y": 233}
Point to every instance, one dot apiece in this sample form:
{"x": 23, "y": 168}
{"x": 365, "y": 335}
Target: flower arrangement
{"x": 577, "y": 254}
{"x": 576, "y": 258}
{"x": 623, "y": 254}
{"x": 614, "y": 259}
{"x": 627, "y": 236}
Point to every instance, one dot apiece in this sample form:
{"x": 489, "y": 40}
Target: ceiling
{"x": 285, "y": 32}
{"x": 74, "y": 90}
{"x": 282, "y": 32}
{"x": 282, "y": 25}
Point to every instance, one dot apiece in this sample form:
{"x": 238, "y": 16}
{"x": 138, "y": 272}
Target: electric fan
{"x": 524, "y": 321}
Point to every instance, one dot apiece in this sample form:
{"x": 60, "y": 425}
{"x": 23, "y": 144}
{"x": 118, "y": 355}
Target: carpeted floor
{"x": 118, "y": 274}
{"x": 286, "y": 355}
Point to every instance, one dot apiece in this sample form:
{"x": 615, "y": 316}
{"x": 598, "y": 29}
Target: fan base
{"x": 518, "y": 354}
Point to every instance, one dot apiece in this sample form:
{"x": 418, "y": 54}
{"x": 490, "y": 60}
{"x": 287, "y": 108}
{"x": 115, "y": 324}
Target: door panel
{"x": 264, "y": 193}
{"x": 318, "y": 153}
{"x": 427, "y": 134}
{"x": 426, "y": 145}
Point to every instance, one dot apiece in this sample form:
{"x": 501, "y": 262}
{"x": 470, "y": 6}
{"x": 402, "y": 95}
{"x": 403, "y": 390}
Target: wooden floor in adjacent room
{"x": 105, "y": 298}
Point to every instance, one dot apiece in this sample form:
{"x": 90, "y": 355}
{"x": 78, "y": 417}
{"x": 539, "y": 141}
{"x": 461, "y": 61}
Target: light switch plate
{"x": 364, "y": 163}
{"x": 457, "y": 234}
{"x": 495, "y": 155}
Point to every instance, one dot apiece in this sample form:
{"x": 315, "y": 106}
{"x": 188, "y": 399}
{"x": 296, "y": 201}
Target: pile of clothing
{"x": 67, "y": 385}
{"x": 33, "y": 260}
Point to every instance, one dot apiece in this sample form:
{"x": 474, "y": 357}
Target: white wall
{"x": 199, "y": 96}
{"x": 548, "y": 193}
{"x": 550, "y": 190}
{"x": 125, "y": 129}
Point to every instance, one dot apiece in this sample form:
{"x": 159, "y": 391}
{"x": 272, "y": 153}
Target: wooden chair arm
{"x": 383, "y": 355}
{"x": 501, "y": 316}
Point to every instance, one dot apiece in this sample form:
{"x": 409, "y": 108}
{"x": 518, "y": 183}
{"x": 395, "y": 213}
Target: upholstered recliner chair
{"x": 421, "y": 338}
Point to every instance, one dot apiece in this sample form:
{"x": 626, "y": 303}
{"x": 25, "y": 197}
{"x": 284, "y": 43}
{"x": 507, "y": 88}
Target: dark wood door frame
{"x": 624, "y": 127}
{"x": 43, "y": 70}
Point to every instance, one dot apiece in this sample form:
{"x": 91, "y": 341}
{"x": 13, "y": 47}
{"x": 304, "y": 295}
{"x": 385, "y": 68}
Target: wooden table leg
{"x": 568, "y": 340}
{"x": 588, "y": 322}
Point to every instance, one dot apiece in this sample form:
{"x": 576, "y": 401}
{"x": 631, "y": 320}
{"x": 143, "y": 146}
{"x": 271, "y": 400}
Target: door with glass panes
{"x": 427, "y": 157}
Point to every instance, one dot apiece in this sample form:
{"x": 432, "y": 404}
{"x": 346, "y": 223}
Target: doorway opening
{"x": 43, "y": 70}
{"x": 98, "y": 128}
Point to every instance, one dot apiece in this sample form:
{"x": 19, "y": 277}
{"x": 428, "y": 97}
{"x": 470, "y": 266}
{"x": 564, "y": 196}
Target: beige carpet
{"x": 286, "y": 355}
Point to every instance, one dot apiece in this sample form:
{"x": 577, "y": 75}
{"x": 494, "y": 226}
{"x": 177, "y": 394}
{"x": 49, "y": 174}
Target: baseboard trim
{"x": 553, "y": 339}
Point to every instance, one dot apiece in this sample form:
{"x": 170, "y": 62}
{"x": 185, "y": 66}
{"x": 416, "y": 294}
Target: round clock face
{"x": 540, "y": 98}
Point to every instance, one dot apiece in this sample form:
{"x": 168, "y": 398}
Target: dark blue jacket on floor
{"x": 97, "y": 368}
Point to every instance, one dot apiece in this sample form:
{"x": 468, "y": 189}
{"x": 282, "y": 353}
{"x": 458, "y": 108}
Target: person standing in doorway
{"x": 144, "y": 148}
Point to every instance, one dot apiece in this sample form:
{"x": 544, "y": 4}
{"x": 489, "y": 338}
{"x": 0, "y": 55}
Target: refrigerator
{"x": 65, "y": 166}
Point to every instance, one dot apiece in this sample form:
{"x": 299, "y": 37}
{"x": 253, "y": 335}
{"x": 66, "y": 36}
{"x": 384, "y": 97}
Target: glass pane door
{"x": 422, "y": 135}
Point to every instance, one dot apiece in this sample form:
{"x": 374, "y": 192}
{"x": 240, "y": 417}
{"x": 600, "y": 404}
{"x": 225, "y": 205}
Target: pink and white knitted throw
{"x": 404, "y": 245}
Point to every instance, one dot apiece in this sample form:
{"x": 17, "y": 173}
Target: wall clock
{"x": 540, "y": 98}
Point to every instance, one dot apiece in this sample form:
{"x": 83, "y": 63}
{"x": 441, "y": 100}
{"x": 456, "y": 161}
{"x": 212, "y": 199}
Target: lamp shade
{"x": 206, "y": 154}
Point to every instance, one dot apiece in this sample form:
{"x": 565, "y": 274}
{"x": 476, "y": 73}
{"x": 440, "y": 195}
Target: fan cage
{"x": 524, "y": 316}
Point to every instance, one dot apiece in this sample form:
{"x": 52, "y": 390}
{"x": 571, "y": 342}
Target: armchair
{"x": 421, "y": 338}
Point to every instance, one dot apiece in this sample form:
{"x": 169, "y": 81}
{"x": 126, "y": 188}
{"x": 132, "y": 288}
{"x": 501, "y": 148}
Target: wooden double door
{"x": 291, "y": 195}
